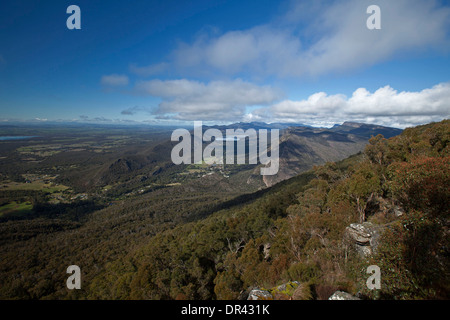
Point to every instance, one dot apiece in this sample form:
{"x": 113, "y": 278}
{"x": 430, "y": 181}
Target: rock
{"x": 363, "y": 237}
{"x": 266, "y": 251}
{"x": 292, "y": 290}
{"x": 398, "y": 212}
{"x": 258, "y": 294}
{"x": 359, "y": 233}
{"x": 287, "y": 286}
{"x": 341, "y": 295}
{"x": 378, "y": 205}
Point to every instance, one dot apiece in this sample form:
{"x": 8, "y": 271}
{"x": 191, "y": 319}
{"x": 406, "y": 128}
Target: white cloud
{"x": 336, "y": 39}
{"x": 385, "y": 106}
{"x": 388, "y": 102}
{"x": 114, "y": 80}
{"x": 194, "y": 100}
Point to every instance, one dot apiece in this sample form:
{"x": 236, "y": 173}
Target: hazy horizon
{"x": 119, "y": 123}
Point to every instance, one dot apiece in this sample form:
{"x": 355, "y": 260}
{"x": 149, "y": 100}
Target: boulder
{"x": 363, "y": 237}
{"x": 287, "y": 287}
{"x": 341, "y": 295}
{"x": 258, "y": 294}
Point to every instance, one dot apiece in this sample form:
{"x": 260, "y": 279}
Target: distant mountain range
{"x": 303, "y": 146}
{"x": 258, "y": 125}
{"x": 348, "y": 126}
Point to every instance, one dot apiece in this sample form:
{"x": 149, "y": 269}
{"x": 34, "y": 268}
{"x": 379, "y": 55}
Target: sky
{"x": 175, "y": 62}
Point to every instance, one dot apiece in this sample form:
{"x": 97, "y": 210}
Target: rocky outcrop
{"x": 259, "y": 294}
{"x": 341, "y": 295}
{"x": 384, "y": 207}
{"x": 286, "y": 291}
{"x": 363, "y": 237}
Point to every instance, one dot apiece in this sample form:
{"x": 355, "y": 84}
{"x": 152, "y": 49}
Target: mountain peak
{"x": 352, "y": 124}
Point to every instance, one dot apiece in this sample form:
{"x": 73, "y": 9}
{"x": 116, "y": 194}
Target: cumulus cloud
{"x": 384, "y": 106}
{"x": 114, "y": 80}
{"x": 335, "y": 39}
{"x": 193, "y": 100}
{"x": 312, "y": 38}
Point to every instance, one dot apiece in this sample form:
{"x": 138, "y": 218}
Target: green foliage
{"x": 303, "y": 272}
{"x": 412, "y": 261}
{"x": 189, "y": 242}
{"x": 362, "y": 186}
{"x": 422, "y": 184}
{"x": 227, "y": 285}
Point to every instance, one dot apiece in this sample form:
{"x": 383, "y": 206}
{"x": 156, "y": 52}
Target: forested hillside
{"x": 296, "y": 232}
{"x": 170, "y": 244}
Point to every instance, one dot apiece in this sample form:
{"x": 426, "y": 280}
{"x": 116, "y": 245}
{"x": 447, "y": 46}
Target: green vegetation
{"x": 213, "y": 237}
{"x": 304, "y": 223}
{"x": 15, "y": 208}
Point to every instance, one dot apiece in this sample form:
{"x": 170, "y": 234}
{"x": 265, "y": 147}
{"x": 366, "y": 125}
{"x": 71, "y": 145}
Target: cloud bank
{"x": 385, "y": 106}
{"x": 235, "y": 101}
{"x": 335, "y": 39}
{"x": 217, "y": 100}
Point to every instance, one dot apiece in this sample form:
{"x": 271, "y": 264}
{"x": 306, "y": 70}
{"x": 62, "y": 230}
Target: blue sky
{"x": 169, "y": 62}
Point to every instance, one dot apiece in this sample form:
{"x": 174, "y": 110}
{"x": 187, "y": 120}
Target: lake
{"x": 16, "y": 137}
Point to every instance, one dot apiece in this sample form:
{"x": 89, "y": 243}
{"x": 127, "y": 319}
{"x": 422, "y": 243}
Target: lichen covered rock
{"x": 363, "y": 237}
{"x": 341, "y": 295}
{"x": 259, "y": 294}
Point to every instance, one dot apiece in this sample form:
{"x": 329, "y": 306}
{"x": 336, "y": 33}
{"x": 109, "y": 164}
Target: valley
{"x": 111, "y": 201}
